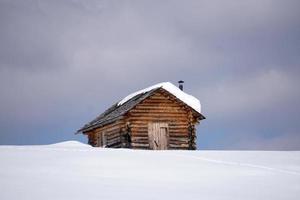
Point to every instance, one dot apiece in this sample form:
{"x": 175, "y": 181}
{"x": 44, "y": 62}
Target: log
{"x": 139, "y": 145}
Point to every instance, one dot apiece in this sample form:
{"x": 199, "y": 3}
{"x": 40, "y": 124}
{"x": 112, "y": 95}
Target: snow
{"x": 186, "y": 98}
{"x": 70, "y": 144}
{"x": 72, "y": 170}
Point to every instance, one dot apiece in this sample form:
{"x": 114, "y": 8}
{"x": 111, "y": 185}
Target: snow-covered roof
{"x": 117, "y": 110}
{"x": 190, "y": 100}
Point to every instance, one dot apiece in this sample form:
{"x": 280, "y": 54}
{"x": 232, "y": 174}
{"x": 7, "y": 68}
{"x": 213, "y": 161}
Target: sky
{"x": 63, "y": 62}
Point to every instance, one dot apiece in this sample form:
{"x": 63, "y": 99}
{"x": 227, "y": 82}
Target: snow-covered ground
{"x": 71, "y": 170}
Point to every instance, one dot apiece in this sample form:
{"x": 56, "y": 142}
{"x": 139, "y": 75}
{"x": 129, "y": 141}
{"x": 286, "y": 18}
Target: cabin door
{"x": 158, "y": 136}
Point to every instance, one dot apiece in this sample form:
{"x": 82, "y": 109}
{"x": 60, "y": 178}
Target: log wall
{"x": 113, "y": 133}
{"x": 132, "y": 130}
{"x": 160, "y": 107}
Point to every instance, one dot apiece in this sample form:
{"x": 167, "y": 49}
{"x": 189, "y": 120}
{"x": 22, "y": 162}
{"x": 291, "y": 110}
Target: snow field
{"x": 72, "y": 170}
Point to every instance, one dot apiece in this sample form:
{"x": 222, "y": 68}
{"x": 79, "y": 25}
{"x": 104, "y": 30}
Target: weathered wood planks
{"x": 158, "y": 122}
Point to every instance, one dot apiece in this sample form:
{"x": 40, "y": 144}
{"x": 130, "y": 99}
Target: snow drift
{"x": 72, "y": 170}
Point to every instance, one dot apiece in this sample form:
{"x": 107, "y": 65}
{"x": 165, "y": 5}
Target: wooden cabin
{"x": 159, "y": 117}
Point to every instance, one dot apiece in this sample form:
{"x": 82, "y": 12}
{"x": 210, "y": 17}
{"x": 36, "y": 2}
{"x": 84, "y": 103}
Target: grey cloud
{"x": 285, "y": 141}
{"x": 69, "y": 60}
{"x": 246, "y": 94}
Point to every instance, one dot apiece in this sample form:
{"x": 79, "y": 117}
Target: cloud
{"x": 67, "y": 61}
{"x": 285, "y": 141}
{"x": 246, "y": 94}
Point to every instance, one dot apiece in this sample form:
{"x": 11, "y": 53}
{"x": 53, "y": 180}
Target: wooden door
{"x": 99, "y": 140}
{"x": 102, "y": 139}
{"x": 158, "y": 136}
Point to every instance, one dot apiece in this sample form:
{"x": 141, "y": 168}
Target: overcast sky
{"x": 63, "y": 62}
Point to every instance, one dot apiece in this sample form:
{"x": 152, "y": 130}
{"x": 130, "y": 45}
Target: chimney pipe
{"x": 181, "y": 84}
